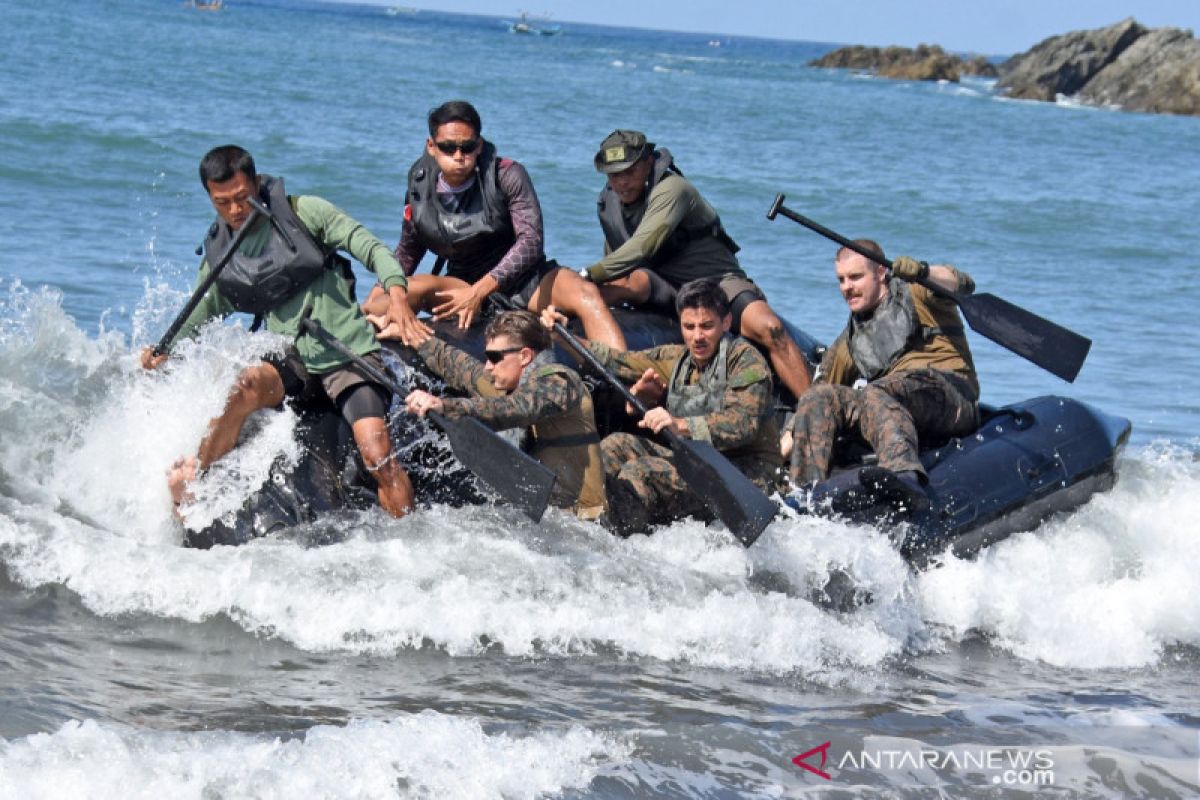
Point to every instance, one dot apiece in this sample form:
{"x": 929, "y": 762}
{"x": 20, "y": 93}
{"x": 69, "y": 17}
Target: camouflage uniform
{"x": 929, "y": 394}
{"x": 551, "y": 401}
{"x": 644, "y": 488}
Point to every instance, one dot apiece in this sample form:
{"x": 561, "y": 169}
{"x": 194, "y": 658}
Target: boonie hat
{"x": 621, "y": 149}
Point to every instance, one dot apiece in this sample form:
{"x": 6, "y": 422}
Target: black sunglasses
{"x": 496, "y": 356}
{"x": 467, "y": 146}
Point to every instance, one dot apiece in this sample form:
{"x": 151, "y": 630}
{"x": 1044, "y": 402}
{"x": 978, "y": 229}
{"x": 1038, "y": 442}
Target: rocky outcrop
{"x": 1124, "y": 65}
{"x": 1160, "y": 72}
{"x": 1064, "y": 64}
{"x": 923, "y": 63}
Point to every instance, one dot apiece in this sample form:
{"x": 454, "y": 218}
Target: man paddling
{"x": 287, "y": 266}
{"x": 521, "y": 388}
{"x": 901, "y": 372}
{"x": 714, "y": 388}
{"x": 480, "y": 216}
{"x": 660, "y": 233}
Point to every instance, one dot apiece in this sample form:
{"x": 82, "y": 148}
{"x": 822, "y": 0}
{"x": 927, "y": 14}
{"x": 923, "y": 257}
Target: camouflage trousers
{"x": 892, "y": 415}
{"x": 645, "y": 489}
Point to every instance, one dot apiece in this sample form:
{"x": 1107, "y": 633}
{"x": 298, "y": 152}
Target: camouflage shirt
{"x": 745, "y": 424}
{"x": 551, "y": 400}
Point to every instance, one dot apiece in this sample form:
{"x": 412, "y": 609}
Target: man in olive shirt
{"x": 660, "y": 233}
{"x": 288, "y": 266}
{"x": 900, "y": 371}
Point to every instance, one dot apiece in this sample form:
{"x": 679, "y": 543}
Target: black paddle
{"x": 729, "y": 494}
{"x": 1050, "y": 346}
{"x": 164, "y": 344}
{"x": 518, "y": 478}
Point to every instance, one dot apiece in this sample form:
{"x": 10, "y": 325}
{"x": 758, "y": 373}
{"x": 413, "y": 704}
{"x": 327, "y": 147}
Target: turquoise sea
{"x": 469, "y": 653}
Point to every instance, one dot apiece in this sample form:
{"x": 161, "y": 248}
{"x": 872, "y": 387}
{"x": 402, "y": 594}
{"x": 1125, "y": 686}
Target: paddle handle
{"x": 777, "y": 207}
{"x": 315, "y": 330}
{"x": 168, "y": 338}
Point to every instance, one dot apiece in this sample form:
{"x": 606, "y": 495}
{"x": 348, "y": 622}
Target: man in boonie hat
{"x": 660, "y": 233}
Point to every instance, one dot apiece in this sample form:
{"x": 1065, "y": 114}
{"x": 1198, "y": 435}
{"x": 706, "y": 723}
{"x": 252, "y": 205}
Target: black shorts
{"x": 523, "y": 290}
{"x": 348, "y": 387}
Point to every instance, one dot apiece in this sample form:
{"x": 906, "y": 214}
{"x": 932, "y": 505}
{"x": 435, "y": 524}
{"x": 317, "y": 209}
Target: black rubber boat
{"x": 1026, "y": 462}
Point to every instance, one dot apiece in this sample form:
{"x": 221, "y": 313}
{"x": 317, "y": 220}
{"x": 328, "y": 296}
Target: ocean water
{"x": 470, "y": 653}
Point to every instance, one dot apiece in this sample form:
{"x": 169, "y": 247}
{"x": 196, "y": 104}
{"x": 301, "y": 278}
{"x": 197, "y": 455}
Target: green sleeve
{"x": 337, "y": 229}
{"x": 212, "y": 305}
{"x": 667, "y": 206}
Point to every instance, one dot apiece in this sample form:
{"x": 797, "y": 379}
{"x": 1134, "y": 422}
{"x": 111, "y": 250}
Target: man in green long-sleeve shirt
{"x": 286, "y": 267}
{"x": 660, "y": 233}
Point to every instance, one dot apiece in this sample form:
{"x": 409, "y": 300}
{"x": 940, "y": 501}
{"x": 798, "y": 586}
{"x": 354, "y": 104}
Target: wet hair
{"x": 870, "y": 245}
{"x": 222, "y": 163}
{"x": 522, "y": 327}
{"x": 454, "y": 111}
{"x": 702, "y": 293}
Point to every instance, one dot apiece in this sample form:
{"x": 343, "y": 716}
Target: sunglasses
{"x": 467, "y": 146}
{"x": 496, "y": 356}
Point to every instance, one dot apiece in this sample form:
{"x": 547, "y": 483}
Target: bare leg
{"x": 575, "y": 297}
{"x": 760, "y": 325}
{"x": 633, "y": 289}
{"x": 257, "y": 387}
{"x": 395, "y": 489}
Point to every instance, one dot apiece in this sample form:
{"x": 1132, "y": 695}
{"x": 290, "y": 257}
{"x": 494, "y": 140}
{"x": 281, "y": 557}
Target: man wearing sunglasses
{"x": 520, "y": 388}
{"x": 714, "y": 388}
{"x": 480, "y": 215}
{"x": 661, "y": 233}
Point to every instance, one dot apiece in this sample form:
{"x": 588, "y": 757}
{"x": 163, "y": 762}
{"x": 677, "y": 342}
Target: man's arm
{"x": 630, "y": 366}
{"x": 459, "y": 370}
{"x": 666, "y": 208}
{"x": 532, "y": 401}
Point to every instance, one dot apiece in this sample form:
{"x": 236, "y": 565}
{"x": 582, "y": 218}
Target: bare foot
{"x": 182, "y": 473}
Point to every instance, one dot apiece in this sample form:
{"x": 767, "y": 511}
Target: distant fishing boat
{"x": 205, "y": 5}
{"x": 533, "y": 28}
{"x": 398, "y": 10}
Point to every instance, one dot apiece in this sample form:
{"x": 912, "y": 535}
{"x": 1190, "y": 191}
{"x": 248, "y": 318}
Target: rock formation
{"x": 924, "y": 63}
{"x": 1124, "y": 65}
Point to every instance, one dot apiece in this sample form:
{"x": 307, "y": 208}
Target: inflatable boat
{"x": 1026, "y": 461}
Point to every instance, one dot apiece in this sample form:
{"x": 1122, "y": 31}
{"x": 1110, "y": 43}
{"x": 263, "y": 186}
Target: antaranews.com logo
{"x": 1001, "y": 766}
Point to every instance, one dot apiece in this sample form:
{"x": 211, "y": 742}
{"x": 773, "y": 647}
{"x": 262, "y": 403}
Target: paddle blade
{"x": 1050, "y": 346}
{"x": 729, "y": 494}
{"x": 520, "y": 479}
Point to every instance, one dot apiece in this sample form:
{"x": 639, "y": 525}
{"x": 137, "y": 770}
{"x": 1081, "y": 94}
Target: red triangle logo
{"x": 802, "y": 760}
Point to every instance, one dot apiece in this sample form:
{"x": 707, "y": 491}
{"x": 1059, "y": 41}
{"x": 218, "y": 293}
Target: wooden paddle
{"x": 1050, "y": 346}
{"x": 728, "y": 493}
{"x": 168, "y": 338}
{"x": 516, "y": 477}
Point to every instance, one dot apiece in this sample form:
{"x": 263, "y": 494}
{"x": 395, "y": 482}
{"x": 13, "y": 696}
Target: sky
{"x": 999, "y": 27}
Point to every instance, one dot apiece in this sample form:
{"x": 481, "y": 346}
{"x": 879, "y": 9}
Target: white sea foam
{"x": 1110, "y": 585}
{"x": 418, "y": 755}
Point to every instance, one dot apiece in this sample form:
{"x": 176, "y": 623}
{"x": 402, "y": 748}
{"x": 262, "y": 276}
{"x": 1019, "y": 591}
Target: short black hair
{"x": 702, "y": 293}
{"x": 222, "y": 163}
{"x": 454, "y": 111}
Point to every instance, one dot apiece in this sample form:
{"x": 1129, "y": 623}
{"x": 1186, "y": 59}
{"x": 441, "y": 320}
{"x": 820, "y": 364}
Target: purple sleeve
{"x": 410, "y": 251}
{"x": 526, "y": 252}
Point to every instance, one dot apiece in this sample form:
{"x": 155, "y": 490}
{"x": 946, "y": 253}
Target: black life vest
{"x": 473, "y": 239}
{"x": 878, "y": 342}
{"x": 618, "y": 228}
{"x": 290, "y": 260}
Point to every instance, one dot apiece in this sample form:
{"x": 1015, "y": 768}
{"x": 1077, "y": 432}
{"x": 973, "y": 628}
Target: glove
{"x": 909, "y": 269}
